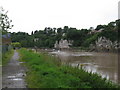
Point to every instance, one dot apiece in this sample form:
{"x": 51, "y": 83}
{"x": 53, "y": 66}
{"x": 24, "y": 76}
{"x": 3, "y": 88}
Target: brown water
{"x": 105, "y": 64}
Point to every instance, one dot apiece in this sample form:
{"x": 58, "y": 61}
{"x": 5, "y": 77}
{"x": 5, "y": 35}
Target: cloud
{"x": 29, "y": 15}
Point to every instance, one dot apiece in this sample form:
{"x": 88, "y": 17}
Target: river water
{"x": 105, "y": 64}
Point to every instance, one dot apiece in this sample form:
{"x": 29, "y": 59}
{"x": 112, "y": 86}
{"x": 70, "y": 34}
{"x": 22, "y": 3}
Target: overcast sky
{"x": 31, "y": 15}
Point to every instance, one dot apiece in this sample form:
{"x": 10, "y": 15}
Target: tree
{"x": 32, "y": 33}
{"x": 66, "y": 28}
{"x": 4, "y": 21}
{"x": 100, "y": 27}
{"x": 91, "y": 28}
{"x": 59, "y": 30}
{"x": 118, "y": 28}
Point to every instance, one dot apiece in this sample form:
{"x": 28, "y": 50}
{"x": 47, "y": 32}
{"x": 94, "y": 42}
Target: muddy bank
{"x": 13, "y": 73}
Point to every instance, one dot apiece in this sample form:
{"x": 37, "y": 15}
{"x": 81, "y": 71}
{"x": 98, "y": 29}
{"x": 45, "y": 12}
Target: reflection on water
{"x": 105, "y": 64}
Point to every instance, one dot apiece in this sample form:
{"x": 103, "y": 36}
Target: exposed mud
{"x": 14, "y": 73}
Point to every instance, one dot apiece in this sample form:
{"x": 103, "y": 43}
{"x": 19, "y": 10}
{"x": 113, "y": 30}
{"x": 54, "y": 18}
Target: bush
{"x": 6, "y": 57}
{"x": 16, "y": 44}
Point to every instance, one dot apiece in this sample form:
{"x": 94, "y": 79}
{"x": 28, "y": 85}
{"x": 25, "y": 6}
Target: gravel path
{"x": 14, "y": 73}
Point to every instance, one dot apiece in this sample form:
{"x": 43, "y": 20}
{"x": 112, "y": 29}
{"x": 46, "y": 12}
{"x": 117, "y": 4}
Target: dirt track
{"x": 13, "y": 73}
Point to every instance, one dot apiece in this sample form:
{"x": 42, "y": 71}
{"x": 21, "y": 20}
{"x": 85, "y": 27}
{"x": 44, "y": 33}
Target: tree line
{"x": 81, "y": 37}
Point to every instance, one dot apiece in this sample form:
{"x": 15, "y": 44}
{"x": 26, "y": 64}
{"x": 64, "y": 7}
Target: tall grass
{"x": 45, "y": 72}
{"x": 7, "y": 56}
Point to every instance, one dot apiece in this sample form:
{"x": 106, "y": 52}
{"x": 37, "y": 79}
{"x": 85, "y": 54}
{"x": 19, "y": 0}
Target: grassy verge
{"x": 45, "y": 72}
{"x": 6, "y": 57}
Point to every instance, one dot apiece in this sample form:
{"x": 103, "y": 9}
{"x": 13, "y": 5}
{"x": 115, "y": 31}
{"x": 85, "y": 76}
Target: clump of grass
{"x": 45, "y": 72}
{"x": 7, "y": 56}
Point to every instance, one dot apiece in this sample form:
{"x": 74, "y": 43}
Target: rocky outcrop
{"x": 63, "y": 44}
{"x": 104, "y": 44}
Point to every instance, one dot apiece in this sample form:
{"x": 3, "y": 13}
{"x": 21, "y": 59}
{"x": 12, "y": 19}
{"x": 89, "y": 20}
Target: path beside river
{"x": 14, "y": 73}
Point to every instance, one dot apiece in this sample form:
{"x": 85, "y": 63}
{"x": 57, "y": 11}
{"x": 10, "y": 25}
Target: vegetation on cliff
{"x": 81, "y": 38}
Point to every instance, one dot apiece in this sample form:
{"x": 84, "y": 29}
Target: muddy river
{"x": 105, "y": 64}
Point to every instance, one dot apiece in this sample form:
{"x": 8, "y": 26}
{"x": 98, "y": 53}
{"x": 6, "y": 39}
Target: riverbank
{"x": 45, "y": 71}
{"x": 105, "y": 64}
{"x": 76, "y": 49}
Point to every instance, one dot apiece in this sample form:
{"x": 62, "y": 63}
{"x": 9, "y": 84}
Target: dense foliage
{"x": 81, "y": 38}
{"x": 45, "y": 71}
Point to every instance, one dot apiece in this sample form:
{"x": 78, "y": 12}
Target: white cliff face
{"x": 103, "y": 43}
{"x": 36, "y": 39}
{"x": 56, "y": 44}
{"x": 62, "y": 44}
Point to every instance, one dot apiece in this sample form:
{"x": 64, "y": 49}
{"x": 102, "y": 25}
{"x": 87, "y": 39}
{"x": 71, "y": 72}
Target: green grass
{"x": 1, "y": 58}
{"x": 44, "y": 71}
{"x": 7, "y": 56}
